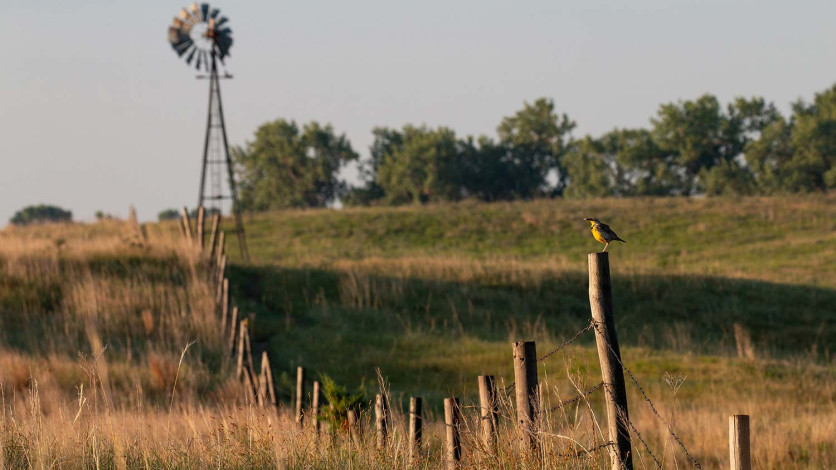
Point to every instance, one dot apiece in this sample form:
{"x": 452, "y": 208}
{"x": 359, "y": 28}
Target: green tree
{"x": 813, "y": 163}
{"x": 285, "y": 166}
{"x": 168, "y": 214}
{"x": 40, "y": 214}
{"x": 536, "y": 138}
{"x": 591, "y": 169}
{"x": 417, "y": 164}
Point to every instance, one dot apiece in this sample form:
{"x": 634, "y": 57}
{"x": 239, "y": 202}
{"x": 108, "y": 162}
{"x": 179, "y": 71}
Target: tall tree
{"x": 417, "y": 164}
{"x": 813, "y": 164}
{"x": 536, "y": 138}
{"x": 285, "y": 166}
{"x": 40, "y": 214}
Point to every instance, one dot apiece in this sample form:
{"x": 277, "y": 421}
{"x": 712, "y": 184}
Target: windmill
{"x": 201, "y": 35}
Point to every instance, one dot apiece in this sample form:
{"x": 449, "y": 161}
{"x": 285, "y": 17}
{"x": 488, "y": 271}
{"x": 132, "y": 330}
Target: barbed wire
{"x": 567, "y": 342}
{"x": 583, "y": 453}
{"x": 638, "y": 434}
{"x": 649, "y": 401}
{"x": 573, "y": 400}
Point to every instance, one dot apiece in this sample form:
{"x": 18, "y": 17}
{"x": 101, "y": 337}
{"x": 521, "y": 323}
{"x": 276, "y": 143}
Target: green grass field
{"x": 738, "y": 295}
{"x": 722, "y": 306}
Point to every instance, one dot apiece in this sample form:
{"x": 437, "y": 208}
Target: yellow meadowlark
{"x": 602, "y": 232}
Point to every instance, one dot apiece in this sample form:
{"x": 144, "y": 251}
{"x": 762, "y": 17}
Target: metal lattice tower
{"x": 200, "y": 34}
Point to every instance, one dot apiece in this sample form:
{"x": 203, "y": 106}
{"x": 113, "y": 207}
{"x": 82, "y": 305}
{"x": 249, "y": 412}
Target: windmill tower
{"x": 203, "y": 37}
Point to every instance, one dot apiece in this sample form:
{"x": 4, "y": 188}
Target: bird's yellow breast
{"x": 597, "y": 234}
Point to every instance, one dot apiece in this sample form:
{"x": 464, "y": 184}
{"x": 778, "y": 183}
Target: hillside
{"x": 737, "y": 295}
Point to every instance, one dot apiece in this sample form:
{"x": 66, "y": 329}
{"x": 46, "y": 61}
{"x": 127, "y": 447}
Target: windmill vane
{"x": 200, "y": 34}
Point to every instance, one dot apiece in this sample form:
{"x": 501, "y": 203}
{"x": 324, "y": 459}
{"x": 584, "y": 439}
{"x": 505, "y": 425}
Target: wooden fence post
{"x": 213, "y": 236}
{"x": 266, "y": 386}
{"x": 739, "y": 454}
{"x": 380, "y": 411}
{"x": 300, "y": 394}
{"x": 224, "y": 306}
{"x": 233, "y": 330}
{"x": 315, "y": 407}
{"x": 187, "y": 225}
{"x": 416, "y": 424}
{"x": 453, "y": 443}
{"x": 353, "y": 427}
{"x": 221, "y": 249}
{"x": 488, "y": 412}
{"x": 525, "y": 383}
{"x": 201, "y": 226}
{"x": 220, "y": 280}
{"x": 609, "y": 355}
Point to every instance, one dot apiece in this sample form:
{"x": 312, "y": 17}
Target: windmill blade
{"x": 182, "y": 47}
{"x": 204, "y": 11}
{"x": 221, "y": 22}
{"x": 223, "y": 32}
{"x": 186, "y": 17}
{"x": 199, "y": 60}
{"x": 191, "y": 56}
{"x": 177, "y": 35}
{"x": 223, "y": 42}
{"x": 181, "y": 24}
{"x": 196, "y": 12}
{"x": 214, "y": 13}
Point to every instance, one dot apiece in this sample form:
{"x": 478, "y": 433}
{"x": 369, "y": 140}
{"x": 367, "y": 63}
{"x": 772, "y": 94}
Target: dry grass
{"x": 95, "y": 320}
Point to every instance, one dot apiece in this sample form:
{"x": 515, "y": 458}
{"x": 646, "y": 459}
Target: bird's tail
{"x": 622, "y": 241}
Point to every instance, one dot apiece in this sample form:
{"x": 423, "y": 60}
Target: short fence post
{"x": 220, "y": 279}
{"x": 609, "y": 355}
{"x": 187, "y": 224}
{"x": 353, "y": 427}
{"x": 416, "y": 423}
{"x": 245, "y": 353}
{"x": 221, "y": 249}
{"x": 201, "y": 226}
{"x": 525, "y": 383}
{"x": 380, "y": 411}
{"x": 739, "y": 454}
{"x": 453, "y": 443}
{"x": 213, "y": 236}
{"x": 315, "y": 407}
{"x": 488, "y": 411}
{"x": 300, "y": 394}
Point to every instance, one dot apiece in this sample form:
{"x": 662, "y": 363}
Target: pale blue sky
{"x": 97, "y": 112}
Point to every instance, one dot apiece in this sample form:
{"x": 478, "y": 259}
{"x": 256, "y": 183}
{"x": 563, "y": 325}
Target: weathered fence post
{"x": 220, "y": 280}
{"x": 221, "y": 249}
{"x": 213, "y": 236}
{"x": 488, "y": 411}
{"x": 380, "y": 411}
{"x": 353, "y": 427}
{"x": 525, "y": 383}
{"x": 416, "y": 423}
{"x": 201, "y": 226}
{"x": 739, "y": 454}
{"x": 300, "y": 394}
{"x": 266, "y": 386}
{"x": 453, "y": 443}
{"x": 224, "y": 306}
{"x": 187, "y": 225}
{"x": 315, "y": 407}
{"x": 609, "y": 355}
{"x": 233, "y": 329}
{"x": 245, "y": 353}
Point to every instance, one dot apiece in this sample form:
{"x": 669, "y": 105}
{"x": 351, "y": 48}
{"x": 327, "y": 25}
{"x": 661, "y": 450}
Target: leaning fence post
{"x": 415, "y": 428}
{"x": 739, "y": 454}
{"x": 233, "y": 325}
{"x": 488, "y": 411}
{"x": 267, "y": 388}
{"x": 453, "y": 443}
{"x": 380, "y": 411}
{"x": 525, "y": 380}
{"x": 213, "y": 236}
{"x": 609, "y": 355}
{"x": 187, "y": 224}
{"x": 300, "y": 394}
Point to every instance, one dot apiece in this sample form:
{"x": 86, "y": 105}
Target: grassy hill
{"x": 739, "y": 295}
{"x": 722, "y": 305}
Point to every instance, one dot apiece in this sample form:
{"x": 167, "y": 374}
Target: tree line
{"x": 694, "y": 147}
